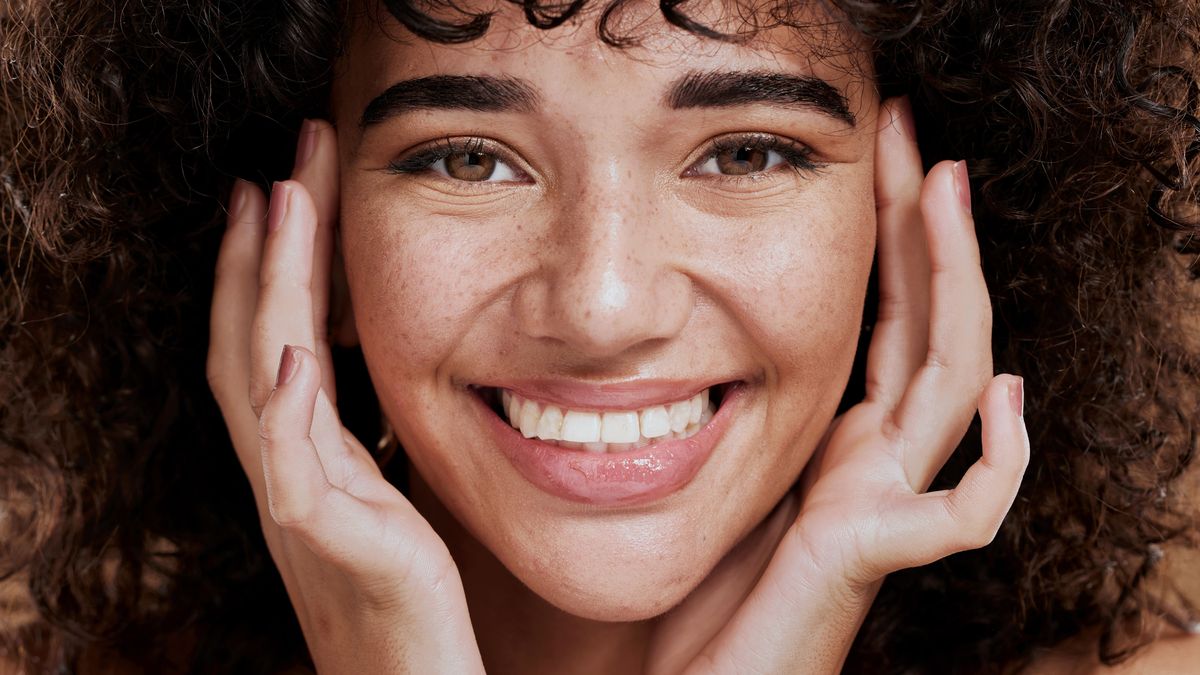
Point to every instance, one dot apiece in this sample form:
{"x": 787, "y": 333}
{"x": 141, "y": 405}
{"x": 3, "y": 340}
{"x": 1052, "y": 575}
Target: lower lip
{"x": 612, "y": 479}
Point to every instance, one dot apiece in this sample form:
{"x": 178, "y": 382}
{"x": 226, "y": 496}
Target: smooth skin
{"x": 376, "y": 589}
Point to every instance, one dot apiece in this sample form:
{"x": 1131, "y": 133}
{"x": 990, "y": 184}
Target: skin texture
{"x": 606, "y": 267}
{"x": 613, "y": 260}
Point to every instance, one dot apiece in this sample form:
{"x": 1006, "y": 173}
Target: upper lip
{"x": 600, "y": 396}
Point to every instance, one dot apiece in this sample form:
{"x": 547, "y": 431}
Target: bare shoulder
{"x": 1168, "y": 655}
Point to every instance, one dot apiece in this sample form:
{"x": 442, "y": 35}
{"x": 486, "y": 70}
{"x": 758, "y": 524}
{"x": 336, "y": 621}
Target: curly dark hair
{"x": 127, "y": 531}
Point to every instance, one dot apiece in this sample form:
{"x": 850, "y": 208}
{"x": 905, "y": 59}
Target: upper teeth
{"x": 609, "y": 430}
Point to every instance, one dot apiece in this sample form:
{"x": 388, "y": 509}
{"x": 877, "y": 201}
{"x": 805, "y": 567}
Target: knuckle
{"x": 226, "y": 268}
{"x": 976, "y": 529}
{"x": 222, "y": 380}
{"x": 270, "y": 429}
{"x": 982, "y": 377}
{"x": 289, "y": 515}
{"x": 981, "y": 535}
{"x": 937, "y": 358}
{"x": 984, "y": 326}
{"x": 283, "y": 283}
{"x": 895, "y": 306}
{"x": 216, "y": 376}
{"x": 259, "y": 396}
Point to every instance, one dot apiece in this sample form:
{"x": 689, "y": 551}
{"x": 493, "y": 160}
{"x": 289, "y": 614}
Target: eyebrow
{"x": 720, "y": 89}
{"x": 717, "y": 89}
{"x": 480, "y": 93}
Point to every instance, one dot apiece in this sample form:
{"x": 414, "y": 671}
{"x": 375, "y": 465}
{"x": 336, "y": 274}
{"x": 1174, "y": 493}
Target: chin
{"x": 624, "y": 571}
{"x": 636, "y": 597}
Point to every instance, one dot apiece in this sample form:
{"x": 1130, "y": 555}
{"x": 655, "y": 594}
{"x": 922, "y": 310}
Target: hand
{"x": 862, "y": 507}
{"x": 375, "y": 589}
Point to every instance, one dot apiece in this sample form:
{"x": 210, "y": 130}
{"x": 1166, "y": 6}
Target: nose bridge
{"x": 609, "y": 278}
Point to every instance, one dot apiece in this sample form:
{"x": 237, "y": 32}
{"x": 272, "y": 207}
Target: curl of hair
{"x": 127, "y": 529}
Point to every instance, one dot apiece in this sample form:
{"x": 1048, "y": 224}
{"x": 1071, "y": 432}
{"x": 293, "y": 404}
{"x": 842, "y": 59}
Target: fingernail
{"x": 288, "y": 362}
{"x": 1016, "y": 396}
{"x": 237, "y": 201}
{"x": 281, "y": 196}
{"x": 907, "y": 124}
{"x": 962, "y": 184}
{"x": 306, "y": 144}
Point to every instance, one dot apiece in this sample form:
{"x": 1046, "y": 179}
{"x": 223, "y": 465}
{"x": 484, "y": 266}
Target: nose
{"x": 610, "y": 277}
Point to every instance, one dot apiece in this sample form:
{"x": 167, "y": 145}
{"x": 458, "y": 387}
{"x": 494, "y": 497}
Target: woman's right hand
{"x": 374, "y": 587}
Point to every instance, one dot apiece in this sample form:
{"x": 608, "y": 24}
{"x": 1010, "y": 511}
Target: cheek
{"x": 418, "y": 286}
{"x": 796, "y": 281}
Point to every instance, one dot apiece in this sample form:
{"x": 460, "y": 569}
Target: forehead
{"x": 572, "y": 62}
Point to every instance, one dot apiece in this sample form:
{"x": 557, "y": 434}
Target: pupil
{"x": 742, "y": 161}
{"x": 471, "y": 166}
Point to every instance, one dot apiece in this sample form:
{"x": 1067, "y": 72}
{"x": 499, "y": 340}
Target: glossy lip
{"x": 634, "y": 477}
{"x": 613, "y": 396}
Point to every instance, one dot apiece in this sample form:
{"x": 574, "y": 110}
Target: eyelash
{"x": 796, "y": 155}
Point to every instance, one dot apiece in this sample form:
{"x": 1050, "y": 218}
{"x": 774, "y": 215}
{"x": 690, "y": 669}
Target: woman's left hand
{"x": 862, "y": 510}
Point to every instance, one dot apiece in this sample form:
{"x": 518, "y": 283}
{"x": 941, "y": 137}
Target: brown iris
{"x": 470, "y": 166}
{"x": 741, "y": 161}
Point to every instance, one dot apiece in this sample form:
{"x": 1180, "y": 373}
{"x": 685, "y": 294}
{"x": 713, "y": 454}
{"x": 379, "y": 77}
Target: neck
{"x": 518, "y": 631}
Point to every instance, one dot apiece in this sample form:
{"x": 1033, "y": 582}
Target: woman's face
{"x": 601, "y": 235}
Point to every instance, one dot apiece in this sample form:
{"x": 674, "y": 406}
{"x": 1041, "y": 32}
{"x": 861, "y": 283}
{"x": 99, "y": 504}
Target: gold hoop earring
{"x": 385, "y": 449}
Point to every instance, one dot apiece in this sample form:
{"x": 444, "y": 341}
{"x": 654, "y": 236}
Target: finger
{"x": 940, "y": 402}
{"x": 284, "y": 310}
{"x": 901, "y": 336}
{"x": 295, "y": 480}
{"x": 988, "y": 488}
{"x": 235, "y": 292}
{"x": 938, "y": 524}
{"x": 295, "y": 462}
{"x": 317, "y": 170}
{"x": 302, "y": 499}
{"x": 283, "y": 314}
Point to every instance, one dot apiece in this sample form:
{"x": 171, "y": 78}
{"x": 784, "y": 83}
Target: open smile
{"x": 603, "y": 455}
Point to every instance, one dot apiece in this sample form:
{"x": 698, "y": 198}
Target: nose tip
{"x": 607, "y": 298}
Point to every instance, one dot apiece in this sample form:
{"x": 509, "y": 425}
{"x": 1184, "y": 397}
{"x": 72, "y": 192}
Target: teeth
{"x": 513, "y": 408}
{"x": 655, "y": 422}
{"x": 680, "y": 414}
{"x": 619, "y": 427}
{"x": 549, "y": 427}
{"x": 530, "y": 414}
{"x": 581, "y": 427}
{"x": 612, "y": 431}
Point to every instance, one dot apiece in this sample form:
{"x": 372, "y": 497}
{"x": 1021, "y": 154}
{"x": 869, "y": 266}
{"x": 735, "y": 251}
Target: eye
{"x": 748, "y": 154}
{"x": 741, "y": 161}
{"x": 474, "y": 167}
{"x": 470, "y": 160}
